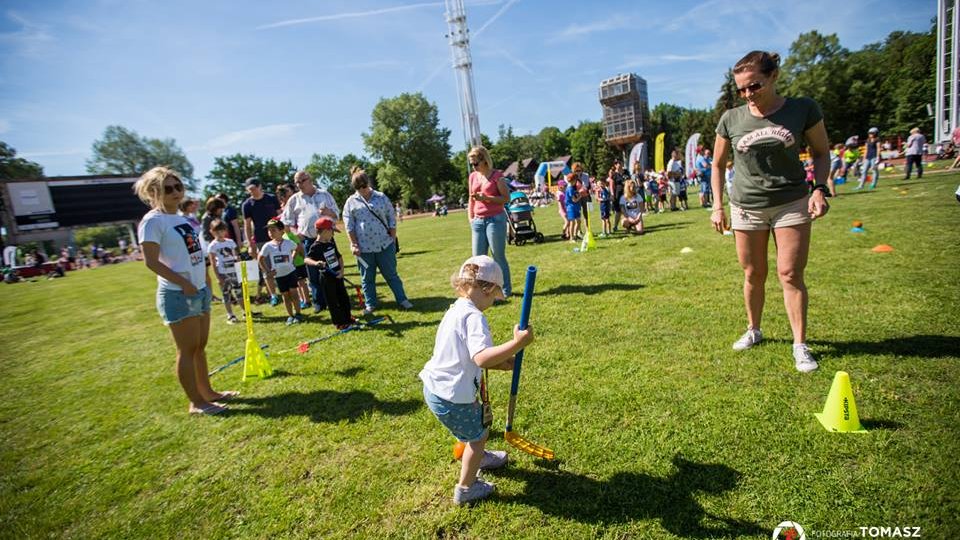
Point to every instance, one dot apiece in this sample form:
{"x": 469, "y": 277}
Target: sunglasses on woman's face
{"x": 752, "y": 87}
{"x": 170, "y": 189}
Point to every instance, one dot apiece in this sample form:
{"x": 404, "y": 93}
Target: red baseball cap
{"x": 326, "y": 223}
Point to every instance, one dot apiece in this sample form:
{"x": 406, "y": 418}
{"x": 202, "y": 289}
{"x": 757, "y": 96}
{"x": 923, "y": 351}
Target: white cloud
{"x": 350, "y": 15}
{"x": 661, "y": 59}
{"x": 30, "y": 39}
{"x": 578, "y": 30}
{"x": 373, "y": 64}
{"x": 234, "y": 139}
{"x": 4, "y": 125}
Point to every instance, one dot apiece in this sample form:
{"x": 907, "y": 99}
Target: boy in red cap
{"x": 324, "y": 254}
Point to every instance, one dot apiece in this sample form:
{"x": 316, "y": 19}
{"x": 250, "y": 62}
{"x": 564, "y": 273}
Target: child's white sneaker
{"x": 749, "y": 339}
{"x": 493, "y": 459}
{"x": 479, "y": 490}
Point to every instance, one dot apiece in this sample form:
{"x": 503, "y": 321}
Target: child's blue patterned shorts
{"x": 464, "y": 420}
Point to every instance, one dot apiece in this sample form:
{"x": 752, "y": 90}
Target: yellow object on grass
{"x": 255, "y": 362}
{"x": 840, "y": 411}
{"x": 658, "y": 153}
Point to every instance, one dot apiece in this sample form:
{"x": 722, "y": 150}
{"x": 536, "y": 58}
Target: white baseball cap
{"x": 487, "y": 270}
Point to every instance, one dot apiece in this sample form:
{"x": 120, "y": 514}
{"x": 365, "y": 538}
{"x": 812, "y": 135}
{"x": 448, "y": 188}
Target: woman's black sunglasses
{"x": 752, "y": 87}
{"x": 169, "y": 189}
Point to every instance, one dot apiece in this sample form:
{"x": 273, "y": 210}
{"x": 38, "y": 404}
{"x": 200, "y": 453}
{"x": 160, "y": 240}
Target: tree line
{"x": 408, "y": 154}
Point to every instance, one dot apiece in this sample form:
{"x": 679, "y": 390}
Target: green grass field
{"x": 660, "y": 429}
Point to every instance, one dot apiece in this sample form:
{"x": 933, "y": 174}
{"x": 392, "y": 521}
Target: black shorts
{"x": 683, "y": 195}
{"x": 301, "y": 271}
{"x": 287, "y": 282}
{"x": 616, "y": 201}
{"x": 663, "y": 197}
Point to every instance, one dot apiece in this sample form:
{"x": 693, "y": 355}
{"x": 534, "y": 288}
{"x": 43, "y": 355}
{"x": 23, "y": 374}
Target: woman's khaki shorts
{"x": 762, "y": 219}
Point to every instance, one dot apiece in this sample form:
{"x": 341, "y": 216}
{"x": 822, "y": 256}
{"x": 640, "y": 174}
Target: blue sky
{"x": 286, "y": 79}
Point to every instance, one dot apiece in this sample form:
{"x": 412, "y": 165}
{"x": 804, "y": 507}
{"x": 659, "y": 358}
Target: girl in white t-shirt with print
{"x": 632, "y": 206}
{"x": 276, "y": 260}
{"x": 171, "y": 249}
{"x": 452, "y": 377}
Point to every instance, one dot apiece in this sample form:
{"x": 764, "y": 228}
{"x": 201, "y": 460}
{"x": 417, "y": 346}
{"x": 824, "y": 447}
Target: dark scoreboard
{"x": 64, "y": 202}
{"x": 80, "y": 204}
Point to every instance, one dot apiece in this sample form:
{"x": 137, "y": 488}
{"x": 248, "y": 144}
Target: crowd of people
{"x": 290, "y": 235}
{"x": 772, "y": 191}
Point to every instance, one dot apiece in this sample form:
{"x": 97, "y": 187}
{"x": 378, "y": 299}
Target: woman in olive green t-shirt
{"x": 770, "y": 193}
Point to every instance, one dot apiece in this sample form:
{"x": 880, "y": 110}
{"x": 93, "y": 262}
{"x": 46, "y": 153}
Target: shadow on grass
{"x": 592, "y": 289}
{"x": 412, "y": 253}
{"x": 871, "y": 425}
{"x": 323, "y": 405}
{"x": 429, "y": 304}
{"x": 663, "y": 227}
{"x": 924, "y": 346}
{"x": 628, "y": 497}
{"x": 349, "y": 372}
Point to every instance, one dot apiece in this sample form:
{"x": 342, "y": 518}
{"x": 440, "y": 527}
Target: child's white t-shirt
{"x": 179, "y": 247}
{"x": 630, "y": 207}
{"x": 279, "y": 257}
{"x": 451, "y": 373}
{"x": 225, "y": 254}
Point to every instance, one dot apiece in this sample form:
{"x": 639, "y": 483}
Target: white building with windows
{"x": 946, "y": 113}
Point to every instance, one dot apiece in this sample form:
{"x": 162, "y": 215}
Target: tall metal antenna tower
{"x": 459, "y": 38}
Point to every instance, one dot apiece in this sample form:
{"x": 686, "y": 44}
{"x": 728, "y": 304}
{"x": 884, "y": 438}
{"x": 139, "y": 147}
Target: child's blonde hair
{"x": 466, "y": 279}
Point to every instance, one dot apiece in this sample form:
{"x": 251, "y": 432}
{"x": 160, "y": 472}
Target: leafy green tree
{"x": 507, "y": 148}
{"x": 587, "y": 145}
{"x": 530, "y": 146}
{"x": 12, "y": 167}
{"x": 124, "y": 151}
{"x": 230, "y": 172}
{"x": 665, "y": 118}
{"x": 553, "y": 142}
{"x": 333, "y": 173}
{"x": 405, "y": 134}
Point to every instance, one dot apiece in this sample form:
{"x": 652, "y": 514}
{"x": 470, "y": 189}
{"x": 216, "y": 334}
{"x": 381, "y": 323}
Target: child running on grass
{"x": 325, "y": 255}
{"x": 451, "y": 379}
{"x": 223, "y": 255}
{"x": 276, "y": 259}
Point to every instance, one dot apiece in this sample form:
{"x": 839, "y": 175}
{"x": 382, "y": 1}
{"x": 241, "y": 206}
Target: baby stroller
{"x": 520, "y": 220}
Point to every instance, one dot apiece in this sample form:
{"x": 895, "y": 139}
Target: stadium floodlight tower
{"x": 459, "y": 37}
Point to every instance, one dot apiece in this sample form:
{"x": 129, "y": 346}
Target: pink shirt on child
{"x": 485, "y": 209}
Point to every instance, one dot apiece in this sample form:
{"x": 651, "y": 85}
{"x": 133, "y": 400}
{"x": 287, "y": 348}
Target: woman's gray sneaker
{"x": 748, "y": 339}
{"x": 804, "y": 360}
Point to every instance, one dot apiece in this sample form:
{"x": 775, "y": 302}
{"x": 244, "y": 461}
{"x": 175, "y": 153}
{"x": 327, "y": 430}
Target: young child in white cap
{"x": 451, "y": 379}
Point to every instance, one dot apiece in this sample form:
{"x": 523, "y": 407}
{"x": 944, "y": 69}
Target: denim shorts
{"x": 174, "y": 306}
{"x": 464, "y": 420}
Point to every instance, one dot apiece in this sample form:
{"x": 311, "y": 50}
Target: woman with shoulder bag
{"x": 370, "y": 221}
